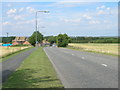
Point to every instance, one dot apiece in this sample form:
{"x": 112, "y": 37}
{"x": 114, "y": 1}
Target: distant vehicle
{"x": 50, "y": 44}
{"x": 54, "y": 45}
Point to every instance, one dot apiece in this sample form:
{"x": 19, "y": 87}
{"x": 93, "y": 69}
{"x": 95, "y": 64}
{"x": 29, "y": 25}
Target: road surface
{"x": 10, "y": 65}
{"x": 78, "y": 69}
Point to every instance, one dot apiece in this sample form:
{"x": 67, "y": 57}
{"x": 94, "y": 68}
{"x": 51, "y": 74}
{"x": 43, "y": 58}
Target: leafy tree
{"x": 52, "y": 39}
{"x": 32, "y": 38}
{"x": 7, "y": 39}
{"x": 62, "y": 40}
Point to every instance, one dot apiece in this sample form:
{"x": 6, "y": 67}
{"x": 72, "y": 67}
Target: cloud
{"x": 105, "y": 21}
{"x": 100, "y": 12}
{"x": 104, "y": 10}
{"x": 101, "y": 7}
{"x": 11, "y": 11}
{"x": 21, "y": 9}
{"x": 87, "y": 16}
{"x": 72, "y": 20}
{"x": 68, "y": 4}
{"x": 6, "y": 23}
{"x": 18, "y": 17}
{"x": 108, "y": 8}
{"x": 94, "y": 22}
{"x": 31, "y": 10}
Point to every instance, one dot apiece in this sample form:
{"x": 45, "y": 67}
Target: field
{"x": 36, "y": 71}
{"x": 4, "y": 51}
{"x": 95, "y": 47}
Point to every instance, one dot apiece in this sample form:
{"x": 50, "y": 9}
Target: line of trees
{"x": 62, "y": 40}
{"x": 6, "y": 39}
{"x": 94, "y": 40}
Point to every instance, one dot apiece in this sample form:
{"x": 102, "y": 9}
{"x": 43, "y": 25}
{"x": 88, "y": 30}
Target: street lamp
{"x": 7, "y": 34}
{"x": 36, "y": 23}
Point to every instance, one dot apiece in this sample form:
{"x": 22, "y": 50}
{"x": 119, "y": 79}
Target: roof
{"x": 20, "y": 39}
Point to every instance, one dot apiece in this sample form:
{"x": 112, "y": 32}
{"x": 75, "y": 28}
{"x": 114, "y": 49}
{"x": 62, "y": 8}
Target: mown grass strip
{"x": 13, "y": 54}
{"x": 35, "y": 72}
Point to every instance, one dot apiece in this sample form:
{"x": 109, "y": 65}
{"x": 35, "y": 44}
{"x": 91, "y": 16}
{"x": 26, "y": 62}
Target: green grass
{"x": 35, "y": 72}
{"x": 13, "y": 54}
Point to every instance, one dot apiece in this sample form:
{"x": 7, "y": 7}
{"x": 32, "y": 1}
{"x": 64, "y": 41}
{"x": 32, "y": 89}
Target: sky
{"x": 72, "y": 18}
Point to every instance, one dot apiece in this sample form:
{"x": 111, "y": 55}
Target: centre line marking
{"x": 83, "y": 57}
{"x": 104, "y": 65}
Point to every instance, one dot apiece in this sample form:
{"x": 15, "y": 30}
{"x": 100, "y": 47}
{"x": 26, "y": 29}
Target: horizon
{"x": 56, "y": 35}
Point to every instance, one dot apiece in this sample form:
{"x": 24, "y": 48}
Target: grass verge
{"x": 13, "y": 54}
{"x": 35, "y": 72}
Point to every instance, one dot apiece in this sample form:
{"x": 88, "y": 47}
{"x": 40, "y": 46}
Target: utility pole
{"x": 37, "y": 25}
{"x": 7, "y": 34}
{"x": 36, "y": 29}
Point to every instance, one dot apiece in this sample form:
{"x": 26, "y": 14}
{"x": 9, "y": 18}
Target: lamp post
{"x": 36, "y": 23}
{"x": 7, "y": 34}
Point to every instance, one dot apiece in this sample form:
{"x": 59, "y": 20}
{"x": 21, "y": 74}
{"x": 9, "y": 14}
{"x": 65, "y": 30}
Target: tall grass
{"x": 94, "y": 47}
{"x": 5, "y": 51}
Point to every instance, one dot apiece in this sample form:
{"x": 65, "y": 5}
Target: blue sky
{"x": 73, "y": 18}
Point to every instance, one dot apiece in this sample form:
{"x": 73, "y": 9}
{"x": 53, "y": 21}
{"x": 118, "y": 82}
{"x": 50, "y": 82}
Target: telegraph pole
{"x": 7, "y": 34}
{"x": 37, "y": 23}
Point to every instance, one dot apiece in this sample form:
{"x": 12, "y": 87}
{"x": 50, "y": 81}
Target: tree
{"x": 7, "y": 39}
{"x": 62, "y": 40}
{"x": 52, "y": 39}
{"x": 32, "y": 38}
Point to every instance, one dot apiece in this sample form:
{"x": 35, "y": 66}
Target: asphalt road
{"x": 77, "y": 69}
{"x": 10, "y": 65}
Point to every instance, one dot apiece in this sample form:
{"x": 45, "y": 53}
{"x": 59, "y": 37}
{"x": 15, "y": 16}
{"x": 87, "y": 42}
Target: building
{"x": 45, "y": 42}
{"x": 21, "y": 41}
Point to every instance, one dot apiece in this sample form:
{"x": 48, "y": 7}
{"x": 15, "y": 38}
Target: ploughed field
{"x": 4, "y": 51}
{"x": 95, "y": 47}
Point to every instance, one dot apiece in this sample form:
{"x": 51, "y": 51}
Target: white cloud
{"x": 108, "y": 8}
{"x": 104, "y": 10}
{"x": 69, "y": 4}
{"x": 11, "y": 11}
{"x": 18, "y": 17}
{"x": 30, "y": 9}
{"x": 100, "y": 12}
{"x": 101, "y": 7}
{"x": 72, "y": 20}
{"x": 87, "y": 16}
{"x": 6, "y": 23}
{"x": 94, "y": 22}
{"x": 105, "y": 21}
{"x": 21, "y": 9}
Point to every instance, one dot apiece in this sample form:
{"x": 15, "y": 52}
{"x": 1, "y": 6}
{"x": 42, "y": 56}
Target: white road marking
{"x": 72, "y": 54}
{"x": 83, "y": 57}
{"x": 104, "y": 65}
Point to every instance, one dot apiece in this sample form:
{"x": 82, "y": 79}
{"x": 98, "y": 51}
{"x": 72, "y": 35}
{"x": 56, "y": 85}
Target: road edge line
{"x": 59, "y": 75}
